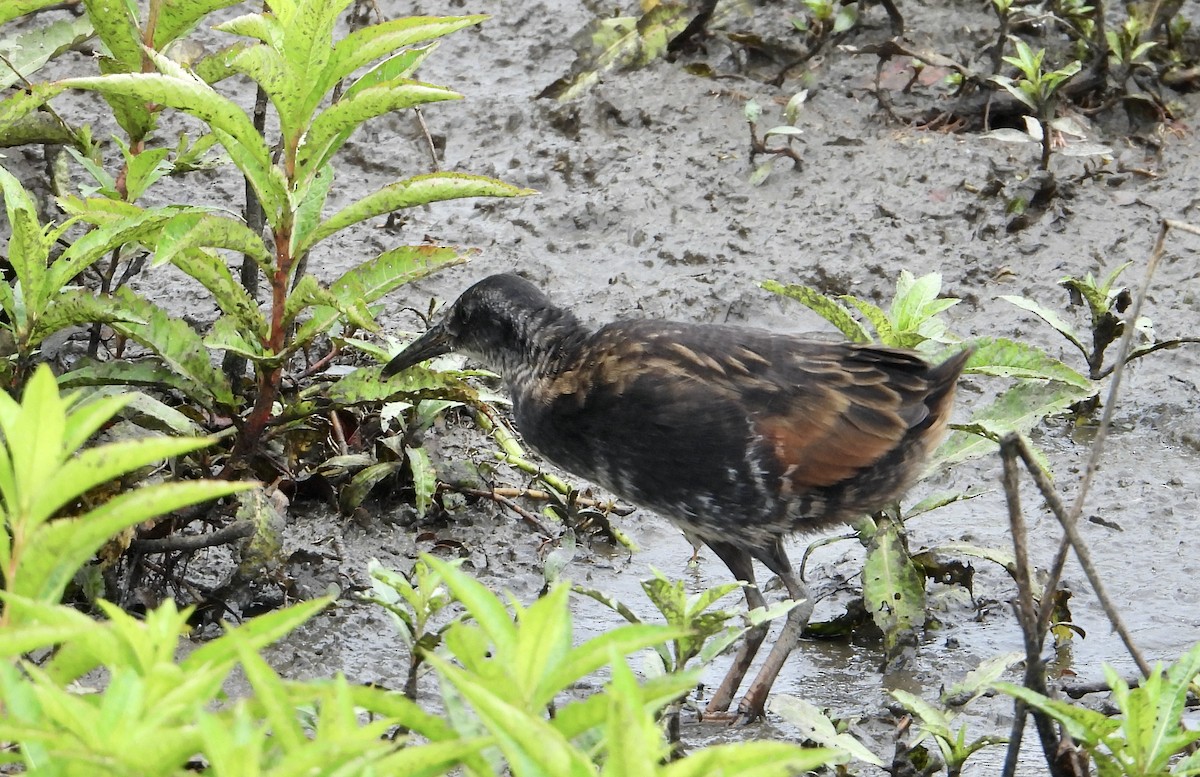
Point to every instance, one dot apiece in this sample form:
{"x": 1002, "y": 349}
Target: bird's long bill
{"x": 434, "y": 342}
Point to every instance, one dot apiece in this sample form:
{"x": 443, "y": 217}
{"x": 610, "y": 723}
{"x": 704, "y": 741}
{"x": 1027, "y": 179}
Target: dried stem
{"x": 1035, "y": 677}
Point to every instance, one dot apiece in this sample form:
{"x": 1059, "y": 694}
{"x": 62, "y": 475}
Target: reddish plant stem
{"x": 269, "y": 380}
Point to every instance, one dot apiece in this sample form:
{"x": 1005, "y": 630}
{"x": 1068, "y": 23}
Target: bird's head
{"x": 503, "y": 320}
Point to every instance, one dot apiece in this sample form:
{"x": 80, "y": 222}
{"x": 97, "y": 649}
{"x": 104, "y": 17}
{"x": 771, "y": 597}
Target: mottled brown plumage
{"x": 738, "y": 436}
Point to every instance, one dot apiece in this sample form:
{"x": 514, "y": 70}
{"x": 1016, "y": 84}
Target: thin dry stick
{"x": 1035, "y": 678}
{"x": 526, "y": 516}
{"x": 602, "y": 505}
{"x": 428, "y": 139}
{"x": 236, "y": 531}
{"x": 1073, "y": 537}
{"x": 1015, "y": 445}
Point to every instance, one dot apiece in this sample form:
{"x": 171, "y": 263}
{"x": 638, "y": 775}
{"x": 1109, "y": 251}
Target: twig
{"x": 1069, "y": 521}
{"x": 231, "y": 533}
{"x": 525, "y": 515}
{"x": 760, "y": 147}
{"x": 599, "y": 504}
{"x": 428, "y": 139}
{"x": 1149, "y": 349}
{"x": 320, "y": 364}
{"x": 1013, "y": 446}
{"x": 1035, "y": 677}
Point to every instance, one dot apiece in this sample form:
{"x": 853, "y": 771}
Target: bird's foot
{"x": 748, "y": 711}
{"x": 752, "y": 707}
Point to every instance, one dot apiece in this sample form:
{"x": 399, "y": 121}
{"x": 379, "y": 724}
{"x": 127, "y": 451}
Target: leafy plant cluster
{"x": 255, "y": 375}
{"x": 506, "y": 672}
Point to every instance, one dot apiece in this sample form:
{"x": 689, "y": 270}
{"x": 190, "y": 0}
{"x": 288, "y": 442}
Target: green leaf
{"x": 27, "y": 51}
{"x": 16, "y": 640}
{"x": 28, "y": 243}
{"x": 150, "y": 413}
{"x": 14, "y": 8}
{"x": 118, "y": 29}
{"x": 312, "y": 193}
{"x": 228, "y": 335}
{"x": 177, "y": 18}
{"x": 207, "y": 230}
{"x": 33, "y": 433}
{"x": 1050, "y": 317}
{"x": 402, "y": 65}
{"x": 91, "y": 467}
{"x": 481, "y": 603}
{"x": 255, "y": 634}
{"x": 543, "y": 643}
{"x": 89, "y": 416}
{"x": 179, "y": 346}
{"x": 753, "y": 759}
{"x": 826, "y": 307}
{"x": 134, "y": 116}
{"x": 142, "y": 170}
{"x": 1015, "y": 359}
{"x": 370, "y": 43}
{"x": 141, "y": 227}
{"x": 816, "y": 727}
{"x": 354, "y": 492}
{"x": 596, "y": 652}
{"x": 578, "y": 717}
{"x": 308, "y": 292}
{"x": 530, "y": 745}
{"x": 75, "y": 307}
{"x": 893, "y": 589}
{"x": 20, "y": 122}
{"x": 1018, "y": 409}
{"x": 424, "y": 478}
{"x": 847, "y": 17}
{"x": 916, "y": 300}
{"x": 933, "y": 720}
{"x": 376, "y": 277}
{"x": 633, "y": 741}
{"x": 178, "y": 88}
{"x": 409, "y": 193}
{"x": 1085, "y": 726}
{"x": 761, "y": 173}
{"x": 212, "y": 273}
{"x": 364, "y": 385}
{"x": 331, "y": 129}
{"x": 125, "y": 373}
{"x": 613, "y": 43}
{"x": 885, "y": 331}
{"x": 1016, "y": 91}
{"x": 1111, "y": 279}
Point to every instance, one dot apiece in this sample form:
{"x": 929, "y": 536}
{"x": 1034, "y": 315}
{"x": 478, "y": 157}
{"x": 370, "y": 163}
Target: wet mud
{"x": 645, "y": 209}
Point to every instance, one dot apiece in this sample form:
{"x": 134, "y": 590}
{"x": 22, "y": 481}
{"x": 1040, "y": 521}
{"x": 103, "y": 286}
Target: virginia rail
{"x": 738, "y": 436}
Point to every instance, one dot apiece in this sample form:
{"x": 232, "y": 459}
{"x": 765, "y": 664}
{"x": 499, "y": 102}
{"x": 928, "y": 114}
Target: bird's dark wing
{"x": 698, "y": 418}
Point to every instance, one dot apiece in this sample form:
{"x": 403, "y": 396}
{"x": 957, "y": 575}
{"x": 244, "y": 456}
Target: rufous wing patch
{"x": 827, "y": 443}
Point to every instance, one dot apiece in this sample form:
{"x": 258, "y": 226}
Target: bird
{"x": 740, "y": 437}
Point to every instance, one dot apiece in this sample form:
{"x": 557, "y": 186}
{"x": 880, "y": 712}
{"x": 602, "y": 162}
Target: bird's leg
{"x": 742, "y": 566}
{"x": 754, "y": 702}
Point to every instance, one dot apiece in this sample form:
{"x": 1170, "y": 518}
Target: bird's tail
{"x": 943, "y": 381}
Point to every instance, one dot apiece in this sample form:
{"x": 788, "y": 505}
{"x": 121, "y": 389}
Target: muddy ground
{"x": 645, "y": 209}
